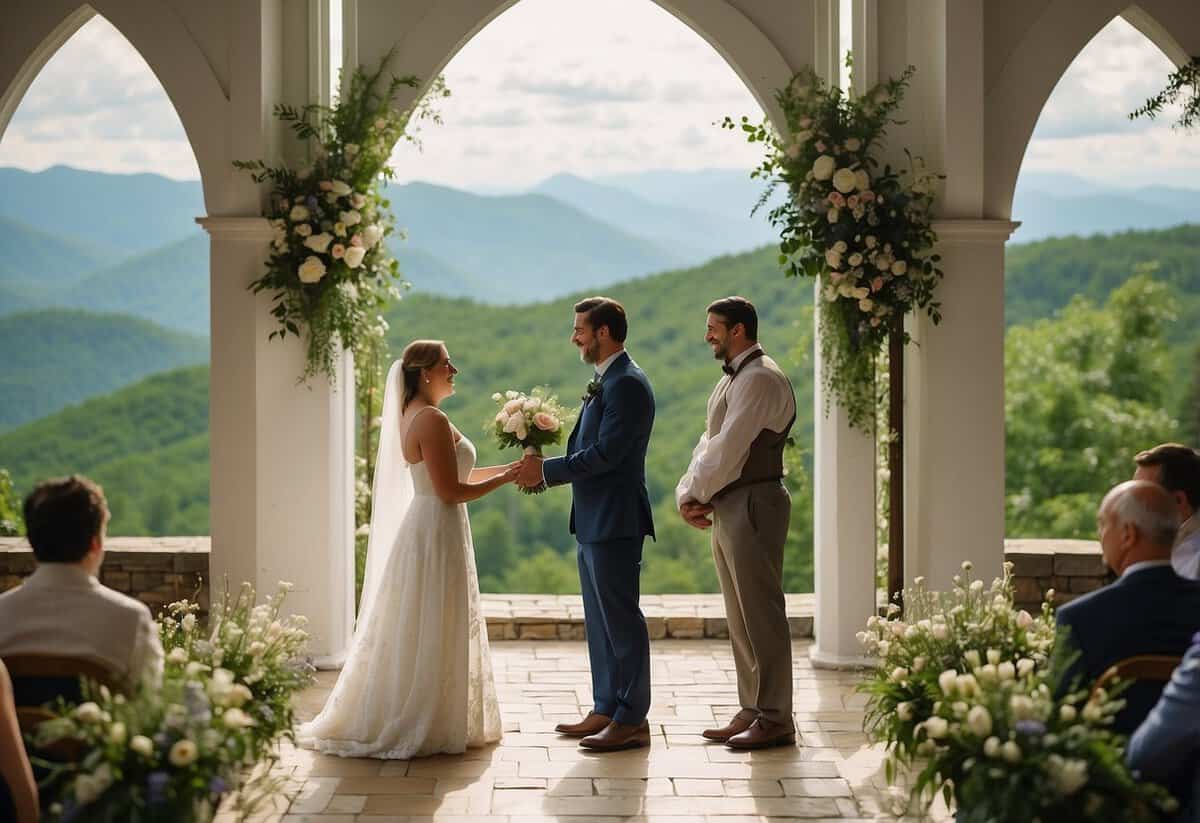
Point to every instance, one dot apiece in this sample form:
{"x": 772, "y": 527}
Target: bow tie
{"x": 728, "y": 369}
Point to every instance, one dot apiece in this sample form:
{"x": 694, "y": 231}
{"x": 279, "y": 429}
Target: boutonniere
{"x": 593, "y": 390}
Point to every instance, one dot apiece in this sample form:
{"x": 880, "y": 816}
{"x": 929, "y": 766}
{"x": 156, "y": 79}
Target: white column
{"x": 281, "y": 452}
{"x": 954, "y": 454}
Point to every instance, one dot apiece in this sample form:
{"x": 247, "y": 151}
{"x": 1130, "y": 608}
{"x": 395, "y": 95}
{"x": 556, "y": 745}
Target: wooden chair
{"x": 38, "y": 681}
{"x": 1156, "y": 668}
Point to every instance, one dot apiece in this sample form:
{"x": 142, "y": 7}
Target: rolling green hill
{"x": 57, "y": 357}
{"x": 37, "y": 260}
{"x": 147, "y": 444}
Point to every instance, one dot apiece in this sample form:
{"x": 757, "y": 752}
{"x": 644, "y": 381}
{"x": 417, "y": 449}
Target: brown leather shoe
{"x": 763, "y": 734}
{"x": 617, "y": 736}
{"x": 741, "y": 721}
{"x": 591, "y": 724}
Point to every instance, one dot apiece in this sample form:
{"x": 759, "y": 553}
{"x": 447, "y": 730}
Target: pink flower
{"x": 356, "y": 240}
{"x": 325, "y": 185}
{"x": 337, "y": 251}
{"x": 546, "y": 421}
{"x": 852, "y": 201}
{"x": 877, "y": 284}
{"x": 866, "y": 196}
{"x": 837, "y": 199}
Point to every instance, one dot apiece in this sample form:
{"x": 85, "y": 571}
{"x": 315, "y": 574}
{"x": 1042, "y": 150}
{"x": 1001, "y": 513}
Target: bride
{"x": 418, "y": 677}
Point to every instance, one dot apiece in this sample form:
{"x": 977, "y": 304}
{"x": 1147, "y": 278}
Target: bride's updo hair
{"x": 419, "y": 354}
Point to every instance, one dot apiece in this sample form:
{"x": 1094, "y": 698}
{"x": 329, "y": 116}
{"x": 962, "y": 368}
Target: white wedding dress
{"x": 418, "y": 676}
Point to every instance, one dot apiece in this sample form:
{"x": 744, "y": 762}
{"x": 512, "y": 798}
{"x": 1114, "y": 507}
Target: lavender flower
{"x": 156, "y": 786}
{"x": 1031, "y": 728}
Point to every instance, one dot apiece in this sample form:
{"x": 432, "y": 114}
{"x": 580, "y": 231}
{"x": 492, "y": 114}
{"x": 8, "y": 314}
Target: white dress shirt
{"x": 603, "y": 365}
{"x": 62, "y": 610}
{"x": 759, "y": 399}
{"x": 1185, "y": 557}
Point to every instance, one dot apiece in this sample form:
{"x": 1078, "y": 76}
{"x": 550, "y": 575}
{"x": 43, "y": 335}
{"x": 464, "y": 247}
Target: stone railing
{"x": 159, "y": 570}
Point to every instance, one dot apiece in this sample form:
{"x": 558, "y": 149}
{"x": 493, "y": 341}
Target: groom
{"x": 610, "y": 517}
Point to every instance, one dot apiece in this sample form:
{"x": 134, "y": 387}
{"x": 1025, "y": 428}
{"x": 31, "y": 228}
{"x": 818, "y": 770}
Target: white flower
{"x": 380, "y": 123}
{"x": 853, "y": 144}
{"x": 967, "y": 684}
{"x": 993, "y": 656}
{"x": 972, "y": 658}
{"x": 936, "y": 728}
{"x": 1006, "y": 671}
{"x": 1024, "y": 619}
{"x": 88, "y": 712}
{"x": 319, "y": 242}
{"x": 976, "y": 586}
{"x": 862, "y": 180}
{"x": 351, "y": 149}
{"x": 298, "y": 214}
{"x": 211, "y": 739}
{"x": 142, "y": 745}
{"x": 1011, "y": 752}
{"x": 350, "y": 218}
{"x": 967, "y": 565}
{"x": 236, "y": 719}
{"x": 883, "y": 647}
{"x": 866, "y": 304}
{"x": 987, "y": 674}
{"x": 979, "y": 721}
{"x": 256, "y": 648}
{"x": 1021, "y": 707}
{"x": 194, "y": 669}
{"x": 87, "y": 789}
{"x": 354, "y": 256}
{"x": 311, "y": 270}
{"x": 188, "y": 622}
{"x": 918, "y": 663}
{"x": 497, "y": 397}
{"x": 1067, "y": 713}
{"x": 843, "y": 180}
{"x": 940, "y": 631}
{"x": 904, "y": 711}
{"x": 1068, "y": 774}
{"x": 833, "y": 214}
{"x": 183, "y": 753}
{"x": 177, "y": 655}
{"x": 833, "y": 259}
{"x": 898, "y": 674}
{"x": 1092, "y": 712}
{"x": 900, "y": 268}
{"x": 117, "y": 733}
{"x": 855, "y": 260}
{"x": 1025, "y": 666}
{"x": 947, "y": 680}
{"x": 823, "y": 167}
{"x": 912, "y": 632}
{"x": 339, "y": 229}
{"x": 991, "y": 746}
{"x": 372, "y": 234}
{"x": 340, "y": 188}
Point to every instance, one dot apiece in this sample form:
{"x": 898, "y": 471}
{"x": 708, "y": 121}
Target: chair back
{"x": 40, "y": 679}
{"x": 1156, "y": 668}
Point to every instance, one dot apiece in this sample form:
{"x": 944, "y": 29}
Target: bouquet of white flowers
{"x": 530, "y": 421}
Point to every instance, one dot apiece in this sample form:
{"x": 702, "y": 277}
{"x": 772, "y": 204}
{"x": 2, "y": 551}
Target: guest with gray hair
{"x": 1176, "y": 468}
{"x": 1148, "y": 610}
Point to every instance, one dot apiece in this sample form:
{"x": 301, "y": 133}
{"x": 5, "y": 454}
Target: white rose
{"x": 354, "y": 256}
{"x": 183, "y": 753}
{"x": 979, "y": 721}
{"x": 856, "y": 260}
{"x": 340, "y": 188}
{"x": 862, "y": 180}
{"x": 833, "y": 259}
{"x": 236, "y": 719}
{"x": 350, "y": 218}
{"x": 298, "y": 213}
{"x": 900, "y": 268}
{"x": 140, "y": 744}
{"x": 88, "y": 712}
{"x": 311, "y": 270}
{"x": 304, "y": 230}
{"x": 936, "y": 728}
{"x": 833, "y": 214}
{"x": 372, "y": 234}
{"x": 843, "y": 180}
{"x": 823, "y": 167}
{"x": 319, "y": 242}
{"x": 866, "y": 304}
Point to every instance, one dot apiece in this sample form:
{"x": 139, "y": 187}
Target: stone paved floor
{"x": 535, "y": 775}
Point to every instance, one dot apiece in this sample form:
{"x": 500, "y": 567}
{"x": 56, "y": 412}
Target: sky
{"x": 583, "y": 87}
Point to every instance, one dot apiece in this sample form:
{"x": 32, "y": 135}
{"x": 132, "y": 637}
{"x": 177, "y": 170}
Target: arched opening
{"x": 575, "y": 158}
{"x": 1101, "y": 344}
{"x": 104, "y": 308}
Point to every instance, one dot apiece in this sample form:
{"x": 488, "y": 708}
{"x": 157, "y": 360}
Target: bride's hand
{"x": 511, "y": 471}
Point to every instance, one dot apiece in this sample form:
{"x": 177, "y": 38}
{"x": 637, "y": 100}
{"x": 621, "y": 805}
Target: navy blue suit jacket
{"x": 1152, "y": 611}
{"x": 1166, "y": 748}
{"x": 606, "y": 458}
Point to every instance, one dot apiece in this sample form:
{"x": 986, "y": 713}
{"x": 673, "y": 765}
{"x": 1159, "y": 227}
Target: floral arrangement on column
{"x": 966, "y": 698}
{"x": 329, "y": 271}
{"x": 862, "y": 229}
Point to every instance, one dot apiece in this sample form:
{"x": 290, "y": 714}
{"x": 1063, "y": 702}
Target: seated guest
{"x": 1166, "y": 747}
{"x": 18, "y": 791}
{"x": 62, "y": 609}
{"x": 1177, "y": 469}
{"x": 1148, "y": 610}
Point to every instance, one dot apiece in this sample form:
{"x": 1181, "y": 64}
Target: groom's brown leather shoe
{"x": 616, "y": 736}
{"x": 763, "y": 734}
{"x": 591, "y": 724}
{"x": 741, "y": 721}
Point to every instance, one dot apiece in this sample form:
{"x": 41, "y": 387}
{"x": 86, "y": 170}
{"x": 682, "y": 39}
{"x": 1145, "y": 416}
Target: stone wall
{"x": 155, "y": 570}
{"x": 160, "y": 570}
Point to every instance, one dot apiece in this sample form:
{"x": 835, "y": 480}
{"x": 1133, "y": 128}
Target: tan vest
{"x": 765, "y": 461}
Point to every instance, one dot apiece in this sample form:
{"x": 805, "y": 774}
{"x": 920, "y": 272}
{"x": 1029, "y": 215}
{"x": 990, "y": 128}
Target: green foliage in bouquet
{"x": 172, "y": 753}
{"x": 965, "y": 698}
{"x": 862, "y": 229}
{"x": 329, "y": 271}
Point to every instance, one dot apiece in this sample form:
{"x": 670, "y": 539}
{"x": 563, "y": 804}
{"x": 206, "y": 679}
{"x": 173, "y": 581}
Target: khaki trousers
{"x": 750, "y": 526}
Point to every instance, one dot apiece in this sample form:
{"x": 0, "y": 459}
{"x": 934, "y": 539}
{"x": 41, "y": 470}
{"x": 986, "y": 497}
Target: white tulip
{"x": 993, "y": 656}
{"x": 972, "y": 658}
{"x": 937, "y": 728}
{"x": 918, "y": 663}
{"x": 991, "y": 746}
{"x": 1068, "y": 713}
{"x": 948, "y": 680}
{"x": 979, "y": 721}
{"x": 898, "y": 674}
{"x": 967, "y": 685}
{"x": 904, "y": 711}
{"x": 1006, "y": 671}
{"x": 1011, "y": 752}
{"x": 1025, "y": 667}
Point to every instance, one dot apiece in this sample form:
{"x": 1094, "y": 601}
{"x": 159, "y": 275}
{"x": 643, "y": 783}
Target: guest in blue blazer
{"x": 605, "y": 464}
{"x": 1166, "y": 747}
{"x": 1148, "y": 610}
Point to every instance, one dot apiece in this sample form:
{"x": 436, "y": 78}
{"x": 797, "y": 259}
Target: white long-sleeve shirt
{"x": 758, "y": 399}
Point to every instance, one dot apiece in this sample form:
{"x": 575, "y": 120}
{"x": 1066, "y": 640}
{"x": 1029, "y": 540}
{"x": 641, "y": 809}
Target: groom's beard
{"x": 721, "y": 352}
{"x": 590, "y": 353}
